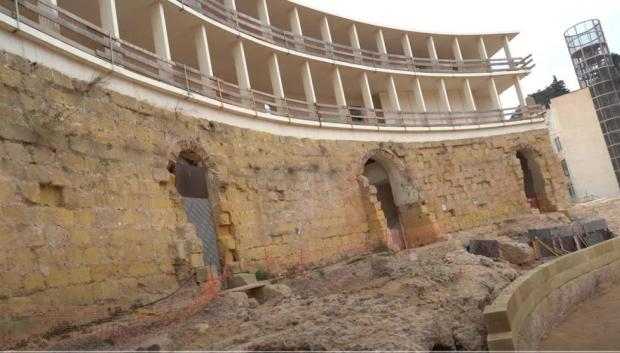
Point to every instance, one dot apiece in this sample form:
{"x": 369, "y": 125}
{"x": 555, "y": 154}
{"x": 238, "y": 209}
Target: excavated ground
{"x": 420, "y": 299}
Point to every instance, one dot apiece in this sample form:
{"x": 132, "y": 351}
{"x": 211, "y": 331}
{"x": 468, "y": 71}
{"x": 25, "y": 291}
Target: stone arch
{"x": 415, "y": 226}
{"x": 534, "y": 184}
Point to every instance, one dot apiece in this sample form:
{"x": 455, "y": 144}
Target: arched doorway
{"x": 192, "y": 185}
{"x": 378, "y": 176}
{"x": 533, "y": 182}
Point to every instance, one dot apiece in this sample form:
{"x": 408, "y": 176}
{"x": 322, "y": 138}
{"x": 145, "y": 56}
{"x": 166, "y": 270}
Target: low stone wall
{"x": 529, "y": 307}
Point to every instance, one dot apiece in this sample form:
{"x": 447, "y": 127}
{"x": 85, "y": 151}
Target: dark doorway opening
{"x": 192, "y": 185}
{"x": 380, "y": 179}
{"x": 533, "y": 182}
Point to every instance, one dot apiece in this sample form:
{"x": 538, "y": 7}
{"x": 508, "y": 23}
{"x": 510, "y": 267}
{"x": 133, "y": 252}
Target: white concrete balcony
{"x": 244, "y": 23}
{"x": 92, "y": 39}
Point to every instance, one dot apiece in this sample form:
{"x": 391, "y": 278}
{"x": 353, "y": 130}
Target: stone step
{"x": 247, "y": 287}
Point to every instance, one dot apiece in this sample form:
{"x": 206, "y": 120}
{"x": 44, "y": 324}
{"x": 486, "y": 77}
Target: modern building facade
{"x": 595, "y": 70}
{"x": 577, "y": 138}
{"x": 146, "y": 140}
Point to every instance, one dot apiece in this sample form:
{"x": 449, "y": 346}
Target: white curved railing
{"x": 92, "y": 39}
{"x": 335, "y": 51}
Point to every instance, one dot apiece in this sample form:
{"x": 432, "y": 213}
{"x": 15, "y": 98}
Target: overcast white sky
{"x": 541, "y": 24}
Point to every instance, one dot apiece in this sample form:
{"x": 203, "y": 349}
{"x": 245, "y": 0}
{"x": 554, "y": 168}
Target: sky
{"x": 541, "y": 24}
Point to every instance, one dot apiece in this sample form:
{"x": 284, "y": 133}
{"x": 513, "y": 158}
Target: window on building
{"x": 558, "y": 144}
{"x": 565, "y": 168}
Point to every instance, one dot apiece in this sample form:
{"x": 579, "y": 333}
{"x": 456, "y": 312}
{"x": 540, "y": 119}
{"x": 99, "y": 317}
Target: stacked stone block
{"x": 90, "y": 215}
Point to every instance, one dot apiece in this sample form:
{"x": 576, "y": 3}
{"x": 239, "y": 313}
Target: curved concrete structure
{"x": 367, "y": 92}
{"x": 530, "y": 306}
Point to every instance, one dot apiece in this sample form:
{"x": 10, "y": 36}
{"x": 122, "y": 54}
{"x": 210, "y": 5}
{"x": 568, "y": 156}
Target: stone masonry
{"x": 90, "y": 217}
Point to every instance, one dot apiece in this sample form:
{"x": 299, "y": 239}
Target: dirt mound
{"x": 414, "y": 300}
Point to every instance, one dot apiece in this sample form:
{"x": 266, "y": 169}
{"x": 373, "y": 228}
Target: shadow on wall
{"x": 398, "y": 209}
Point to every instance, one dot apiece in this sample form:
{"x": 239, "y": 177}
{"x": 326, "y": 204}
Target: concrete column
{"x": 275, "y": 77}
{"x": 470, "y": 103}
{"x": 160, "y": 33}
{"x": 381, "y": 48}
{"x": 444, "y": 101}
{"x": 456, "y": 49}
{"x": 109, "y": 19}
{"x": 355, "y": 42}
{"x": 44, "y": 21}
{"x": 519, "y": 90}
{"x": 495, "y": 101}
{"x": 230, "y": 4}
{"x": 306, "y": 79}
{"x": 482, "y": 52}
{"x": 508, "y": 52}
{"x": 326, "y": 34}
{"x": 263, "y": 12}
{"x": 432, "y": 52}
{"x": 393, "y": 94}
{"x": 406, "y": 43}
{"x": 293, "y": 17}
{"x": 419, "y": 95}
{"x": 241, "y": 67}
{"x": 482, "y": 49}
{"x": 341, "y": 99}
{"x": 366, "y": 92}
{"x": 276, "y": 80}
{"x": 202, "y": 51}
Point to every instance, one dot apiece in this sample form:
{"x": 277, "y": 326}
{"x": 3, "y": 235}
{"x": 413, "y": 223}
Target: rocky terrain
{"x": 429, "y": 298}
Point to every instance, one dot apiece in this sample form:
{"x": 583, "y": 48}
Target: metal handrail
{"x": 251, "y": 26}
{"x": 120, "y": 53}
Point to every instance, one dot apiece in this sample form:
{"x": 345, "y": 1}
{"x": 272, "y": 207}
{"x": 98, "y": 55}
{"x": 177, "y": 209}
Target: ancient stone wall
{"x": 90, "y": 215}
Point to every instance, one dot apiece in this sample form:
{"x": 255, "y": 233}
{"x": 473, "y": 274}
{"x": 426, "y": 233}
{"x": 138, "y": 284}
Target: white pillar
{"x": 381, "y": 44}
{"x": 519, "y": 90}
{"x": 355, "y": 41}
{"x": 108, "y": 17}
{"x": 160, "y": 33}
{"x": 44, "y": 21}
{"x": 507, "y": 52}
{"x": 432, "y": 52}
{"x": 470, "y": 103}
{"x": 444, "y": 101}
{"x": 406, "y": 43}
{"x": 326, "y": 34}
{"x": 393, "y": 94}
{"x": 230, "y": 4}
{"x": 202, "y": 50}
{"x": 366, "y": 92}
{"x": 419, "y": 95}
{"x": 306, "y": 78}
{"x": 295, "y": 22}
{"x": 482, "y": 49}
{"x": 353, "y": 37}
{"x": 495, "y": 101}
{"x": 456, "y": 50}
{"x": 275, "y": 77}
{"x": 263, "y": 12}
{"x": 241, "y": 67}
{"x": 341, "y": 99}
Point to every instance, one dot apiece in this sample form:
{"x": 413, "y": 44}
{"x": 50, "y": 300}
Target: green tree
{"x": 555, "y": 89}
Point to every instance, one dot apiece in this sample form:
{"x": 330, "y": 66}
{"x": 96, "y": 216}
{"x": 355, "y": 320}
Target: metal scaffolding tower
{"x": 596, "y": 70}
